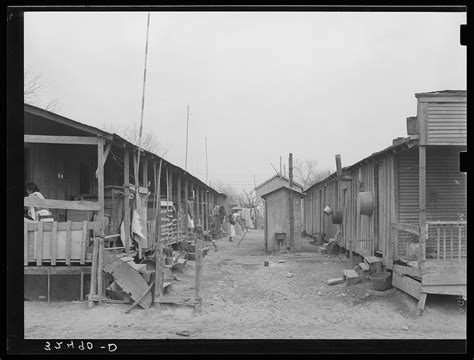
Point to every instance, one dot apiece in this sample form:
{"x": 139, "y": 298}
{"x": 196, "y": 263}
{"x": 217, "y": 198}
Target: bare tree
{"x": 150, "y": 141}
{"x": 34, "y": 87}
{"x": 232, "y": 194}
{"x": 307, "y": 173}
{"x": 250, "y": 200}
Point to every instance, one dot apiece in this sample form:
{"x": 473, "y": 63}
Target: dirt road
{"x": 244, "y": 299}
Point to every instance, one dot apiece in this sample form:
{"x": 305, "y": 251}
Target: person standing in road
{"x": 231, "y": 226}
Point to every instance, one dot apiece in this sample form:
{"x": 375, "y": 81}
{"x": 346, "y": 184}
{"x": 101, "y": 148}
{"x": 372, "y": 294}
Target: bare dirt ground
{"x": 244, "y": 299}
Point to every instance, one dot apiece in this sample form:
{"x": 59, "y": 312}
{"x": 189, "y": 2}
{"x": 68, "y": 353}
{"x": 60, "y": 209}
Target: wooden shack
{"x": 277, "y": 226}
{"x": 90, "y": 180}
{"x": 409, "y": 198}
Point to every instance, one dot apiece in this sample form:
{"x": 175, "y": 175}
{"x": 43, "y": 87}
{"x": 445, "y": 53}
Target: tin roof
{"x": 109, "y": 136}
{"x": 280, "y": 176}
{"x": 407, "y": 142}
{"x": 282, "y": 188}
{"x": 462, "y": 93}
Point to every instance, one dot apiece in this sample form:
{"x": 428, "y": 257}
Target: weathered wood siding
{"x": 446, "y": 193}
{"x": 278, "y": 219}
{"x": 446, "y": 123}
{"x": 408, "y": 195}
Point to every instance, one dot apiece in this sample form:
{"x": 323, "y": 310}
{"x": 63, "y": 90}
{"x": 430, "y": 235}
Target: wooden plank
{"x": 68, "y": 242}
{"x": 61, "y": 204}
{"x": 49, "y": 285}
{"x": 56, "y": 270}
{"x": 82, "y": 287}
{"x": 444, "y": 275}
{"x": 100, "y": 183}
{"x": 62, "y": 226}
{"x": 444, "y": 242}
{"x": 126, "y": 180}
{"x": 460, "y": 290}
{"x": 406, "y": 284}
{"x": 438, "y": 241}
{"x": 198, "y": 255}
{"x": 54, "y": 243}
{"x": 460, "y": 243}
{"x": 407, "y": 270}
{"x": 127, "y": 278}
{"x": 83, "y": 242}
{"x": 100, "y": 264}
{"x": 413, "y": 229}
{"x": 95, "y": 255}
{"x": 25, "y": 244}
{"x": 50, "y": 139}
{"x": 39, "y": 245}
{"x": 179, "y": 225}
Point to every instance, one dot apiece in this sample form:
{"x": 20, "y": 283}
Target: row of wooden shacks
{"x": 90, "y": 181}
{"x": 406, "y": 204}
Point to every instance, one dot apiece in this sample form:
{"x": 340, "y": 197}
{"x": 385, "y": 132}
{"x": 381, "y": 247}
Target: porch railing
{"x": 450, "y": 242}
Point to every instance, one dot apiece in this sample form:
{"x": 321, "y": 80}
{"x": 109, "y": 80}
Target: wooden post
{"x": 179, "y": 205}
{"x": 159, "y": 267}
{"x": 422, "y": 203}
{"x": 82, "y": 286}
{"x": 93, "y": 288}
{"x": 203, "y": 215}
{"x": 100, "y": 265}
{"x": 145, "y": 172}
{"x": 186, "y": 203}
{"x": 126, "y": 182}
{"x": 49, "y": 284}
{"x": 198, "y": 215}
{"x": 292, "y": 218}
{"x": 100, "y": 182}
{"x": 197, "y": 285}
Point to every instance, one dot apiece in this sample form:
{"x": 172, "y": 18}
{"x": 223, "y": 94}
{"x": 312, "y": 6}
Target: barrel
{"x": 337, "y": 217}
{"x": 381, "y": 281}
{"x": 366, "y": 201}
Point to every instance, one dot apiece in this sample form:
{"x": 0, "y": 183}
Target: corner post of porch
{"x": 422, "y": 205}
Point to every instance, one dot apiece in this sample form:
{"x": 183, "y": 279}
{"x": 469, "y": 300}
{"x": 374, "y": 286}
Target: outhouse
{"x": 277, "y": 219}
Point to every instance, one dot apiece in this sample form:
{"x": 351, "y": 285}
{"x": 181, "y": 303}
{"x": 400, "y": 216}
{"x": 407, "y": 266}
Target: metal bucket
{"x": 381, "y": 281}
{"x": 366, "y": 201}
{"x": 337, "y": 217}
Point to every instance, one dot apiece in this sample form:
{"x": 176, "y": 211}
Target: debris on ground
{"x": 183, "y": 333}
{"x": 335, "y": 281}
{"x": 351, "y": 277}
{"x": 290, "y": 275}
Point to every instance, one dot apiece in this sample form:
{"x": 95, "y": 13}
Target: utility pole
{"x": 187, "y": 128}
{"x": 292, "y": 218}
{"x": 280, "y": 165}
{"x": 207, "y": 182}
{"x": 255, "y": 208}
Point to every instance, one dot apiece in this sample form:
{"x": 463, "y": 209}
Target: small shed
{"x": 277, "y": 219}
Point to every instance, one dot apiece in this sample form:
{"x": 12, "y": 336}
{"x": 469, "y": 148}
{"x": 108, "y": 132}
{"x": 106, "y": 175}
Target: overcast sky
{"x": 259, "y": 84}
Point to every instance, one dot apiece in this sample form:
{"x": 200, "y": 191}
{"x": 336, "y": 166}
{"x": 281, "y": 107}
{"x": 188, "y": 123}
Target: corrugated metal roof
{"x": 443, "y": 93}
{"x": 406, "y": 142}
{"x": 96, "y": 131}
{"x": 280, "y": 176}
{"x": 284, "y": 187}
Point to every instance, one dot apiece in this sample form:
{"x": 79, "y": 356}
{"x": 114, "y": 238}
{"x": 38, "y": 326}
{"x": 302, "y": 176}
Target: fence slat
{"x": 25, "y": 244}
{"x": 54, "y": 243}
{"x": 39, "y": 245}
{"x": 439, "y": 239}
{"x": 68, "y": 242}
{"x": 444, "y": 242}
{"x": 460, "y": 243}
{"x": 452, "y": 235}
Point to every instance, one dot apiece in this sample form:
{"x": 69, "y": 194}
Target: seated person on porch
{"x": 36, "y": 214}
